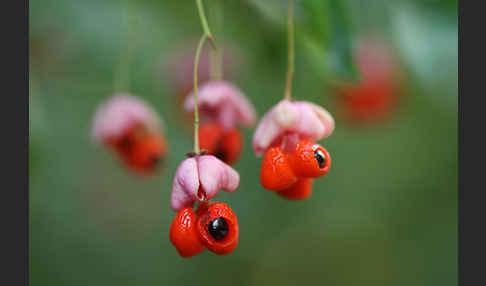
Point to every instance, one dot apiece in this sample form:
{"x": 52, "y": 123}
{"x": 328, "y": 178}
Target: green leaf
{"x": 323, "y": 29}
{"x": 313, "y": 20}
{"x": 327, "y": 35}
{"x": 274, "y": 10}
{"x": 340, "y": 53}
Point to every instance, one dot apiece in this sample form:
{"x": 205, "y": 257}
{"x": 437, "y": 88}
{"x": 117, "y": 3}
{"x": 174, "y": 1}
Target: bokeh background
{"x": 384, "y": 215}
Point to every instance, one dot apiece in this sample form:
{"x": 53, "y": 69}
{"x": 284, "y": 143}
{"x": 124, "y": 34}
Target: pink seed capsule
{"x": 131, "y": 128}
{"x": 222, "y": 102}
{"x": 304, "y": 119}
{"x": 200, "y": 178}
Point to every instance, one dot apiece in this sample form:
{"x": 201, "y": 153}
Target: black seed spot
{"x": 320, "y": 157}
{"x": 218, "y": 228}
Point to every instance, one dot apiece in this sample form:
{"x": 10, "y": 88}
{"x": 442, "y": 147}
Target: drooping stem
{"x": 206, "y": 36}
{"x": 196, "y": 107}
{"x": 204, "y": 22}
{"x": 290, "y": 36}
{"x": 215, "y": 64}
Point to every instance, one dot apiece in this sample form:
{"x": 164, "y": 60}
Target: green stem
{"x": 215, "y": 66}
{"x": 204, "y": 21}
{"x": 196, "y": 107}
{"x": 206, "y": 36}
{"x": 290, "y": 68}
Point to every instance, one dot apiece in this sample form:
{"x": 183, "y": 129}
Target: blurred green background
{"x": 386, "y": 214}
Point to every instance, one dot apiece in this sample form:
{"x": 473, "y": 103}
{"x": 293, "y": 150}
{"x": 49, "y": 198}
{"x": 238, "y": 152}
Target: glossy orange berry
{"x": 368, "y": 102}
{"x": 184, "y": 234}
{"x": 147, "y": 154}
{"x": 210, "y": 136}
{"x": 140, "y": 150}
{"x": 231, "y": 146}
{"x": 202, "y": 208}
{"x": 309, "y": 159}
{"x": 298, "y": 191}
{"x": 276, "y": 173}
{"x": 218, "y": 228}
{"x": 226, "y": 145}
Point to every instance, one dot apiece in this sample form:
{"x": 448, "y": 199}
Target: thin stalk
{"x": 215, "y": 64}
{"x": 196, "y": 107}
{"x": 204, "y": 23}
{"x": 290, "y": 67}
{"x": 206, "y": 36}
